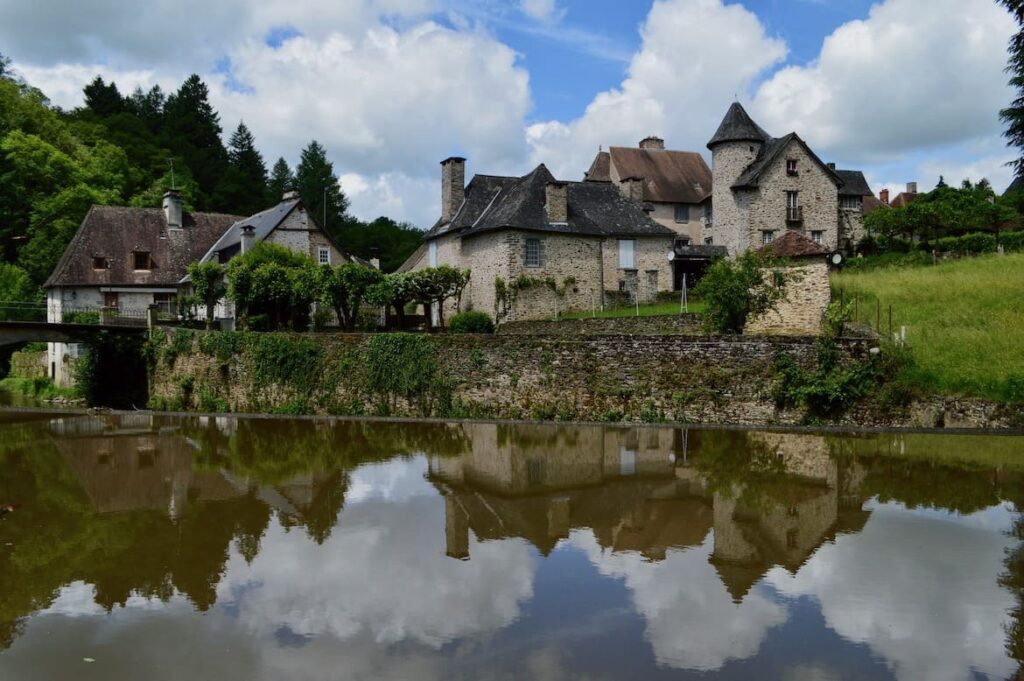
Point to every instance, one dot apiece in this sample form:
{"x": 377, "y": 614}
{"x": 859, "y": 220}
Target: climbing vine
{"x": 506, "y": 293}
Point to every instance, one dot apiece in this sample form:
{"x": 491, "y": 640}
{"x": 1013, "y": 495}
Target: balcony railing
{"x": 794, "y": 214}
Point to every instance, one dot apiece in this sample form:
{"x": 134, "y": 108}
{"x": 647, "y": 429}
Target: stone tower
{"x": 734, "y": 147}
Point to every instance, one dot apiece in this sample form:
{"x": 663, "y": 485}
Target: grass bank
{"x": 964, "y": 320}
{"x": 648, "y": 310}
{"x": 39, "y": 388}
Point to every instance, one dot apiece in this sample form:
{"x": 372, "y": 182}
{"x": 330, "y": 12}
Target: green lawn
{"x": 964, "y": 319}
{"x": 650, "y": 310}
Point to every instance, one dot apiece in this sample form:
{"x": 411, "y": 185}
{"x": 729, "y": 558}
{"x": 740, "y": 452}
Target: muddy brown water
{"x": 148, "y": 547}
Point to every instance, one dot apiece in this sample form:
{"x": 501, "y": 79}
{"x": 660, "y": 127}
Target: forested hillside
{"x": 127, "y": 149}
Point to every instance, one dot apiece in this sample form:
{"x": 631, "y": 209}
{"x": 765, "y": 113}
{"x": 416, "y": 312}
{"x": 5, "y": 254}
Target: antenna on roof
{"x": 171, "y": 161}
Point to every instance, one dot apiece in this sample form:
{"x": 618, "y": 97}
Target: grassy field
{"x": 650, "y": 310}
{"x": 964, "y": 319}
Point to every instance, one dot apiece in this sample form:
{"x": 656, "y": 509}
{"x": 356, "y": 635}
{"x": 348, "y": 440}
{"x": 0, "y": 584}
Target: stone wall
{"x": 688, "y": 324}
{"x": 596, "y": 378}
{"x": 302, "y": 235}
{"x": 807, "y": 296}
{"x": 29, "y": 364}
{"x": 652, "y": 271}
{"x": 730, "y": 216}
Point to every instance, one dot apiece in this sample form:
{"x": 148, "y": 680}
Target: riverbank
{"x": 649, "y": 379}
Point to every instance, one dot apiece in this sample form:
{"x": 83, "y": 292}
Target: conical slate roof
{"x": 738, "y": 126}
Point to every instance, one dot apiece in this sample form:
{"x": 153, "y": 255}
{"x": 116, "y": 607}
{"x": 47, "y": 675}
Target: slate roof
{"x": 738, "y": 126}
{"x": 771, "y": 150}
{"x": 594, "y": 209}
{"x": 263, "y": 224}
{"x": 854, "y": 183}
{"x": 793, "y": 244}
{"x": 115, "y": 232}
{"x": 669, "y": 176}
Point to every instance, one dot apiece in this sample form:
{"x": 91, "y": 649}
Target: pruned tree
{"x": 346, "y": 287}
{"x": 208, "y": 284}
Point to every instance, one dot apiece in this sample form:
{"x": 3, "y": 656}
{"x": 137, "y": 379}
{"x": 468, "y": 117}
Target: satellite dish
{"x": 671, "y": 256}
{"x": 837, "y": 259}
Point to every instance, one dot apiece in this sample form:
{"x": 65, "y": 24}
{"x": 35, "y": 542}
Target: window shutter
{"x": 542, "y": 252}
{"x": 526, "y": 252}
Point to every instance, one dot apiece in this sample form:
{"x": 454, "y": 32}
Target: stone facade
{"x": 742, "y": 216}
{"x": 302, "y": 235}
{"x": 807, "y": 295}
{"x": 591, "y": 262}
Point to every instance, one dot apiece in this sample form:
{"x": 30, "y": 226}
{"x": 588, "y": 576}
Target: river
{"x": 149, "y": 547}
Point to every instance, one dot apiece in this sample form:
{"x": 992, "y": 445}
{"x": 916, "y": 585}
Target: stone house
{"x": 559, "y": 245}
{"x": 673, "y": 187}
{"x": 122, "y": 260}
{"x": 764, "y": 187}
{"x": 807, "y": 291}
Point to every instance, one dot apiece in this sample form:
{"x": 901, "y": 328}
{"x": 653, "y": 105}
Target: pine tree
{"x": 148, "y": 107}
{"x": 192, "y": 131}
{"x": 243, "y": 187}
{"x": 103, "y": 99}
{"x": 315, "y": 180}
{"x": 1013, "y": 115}
{"x": 281, "y": 179}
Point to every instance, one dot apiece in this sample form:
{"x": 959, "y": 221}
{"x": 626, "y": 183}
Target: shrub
{"x": 1012, "y": 241}
{"x": 735, "y": 290}
{"x": 472, "y": 321}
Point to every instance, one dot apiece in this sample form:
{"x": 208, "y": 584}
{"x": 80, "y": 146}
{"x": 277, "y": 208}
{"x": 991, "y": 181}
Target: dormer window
{"x": 791, "y": 167}
{"x": 99, "y": 263}
{"x": 141, "y": 260}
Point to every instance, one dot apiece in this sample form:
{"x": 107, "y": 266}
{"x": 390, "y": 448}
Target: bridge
{"x": 23, "y": 322}
{"x": 43, "y": 332}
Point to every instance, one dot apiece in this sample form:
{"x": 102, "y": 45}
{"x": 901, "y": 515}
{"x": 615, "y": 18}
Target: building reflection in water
{"x": 146, "y": 506}
{"x": 647, "y": 490}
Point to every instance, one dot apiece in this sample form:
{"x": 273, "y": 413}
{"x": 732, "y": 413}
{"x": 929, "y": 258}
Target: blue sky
{"x": 905, "y": 90}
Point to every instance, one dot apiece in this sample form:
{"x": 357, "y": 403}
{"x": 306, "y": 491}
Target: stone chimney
{"x": 832, "y": 167}
{"x": 453, "y": 186}
{"x": 911, "y": 187}
{"x": 375, "y": 263}
{"x": 172, "y": 206}
{"x": 248, "y": 238}
{"x": 652, "y": 142}
{"x": 883, "y": 196}
{"x": 290, "y": 194}
{"x": 556, "y": 202}
{"x": 633, "y": 188}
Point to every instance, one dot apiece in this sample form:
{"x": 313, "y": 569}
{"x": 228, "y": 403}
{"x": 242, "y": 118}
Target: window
{"x": 817, "y": 236}
{"x": 709, "y": 241}
{"x": 791, "y": 167}
{"x": 793, "y": 212}
{"x": 165, "y": 301}
{"x": 767, "y": 236}
{"x": 851, "y": 202}
{"x": 531, "y": 253}
{"x": 99, "y": 263}
{"x": 682, "y": 212}
{"x": 432, "y": 254}
{"x": 141, "y": 260}
{"x": 627, "y": 261}
{"x": 324, "y": 256}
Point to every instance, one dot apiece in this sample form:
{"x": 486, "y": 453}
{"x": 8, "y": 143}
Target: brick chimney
{"x": 633, "y": 188}
{"x": 911, "y": 187}
{"x": 172, "y": 206}
{"x": 453, "y": 186}
{"x": 883, "y": 196}
{"x": 652, "y": 142}
{"x": 556, "y": 202}
{"x": 248, "y": 239}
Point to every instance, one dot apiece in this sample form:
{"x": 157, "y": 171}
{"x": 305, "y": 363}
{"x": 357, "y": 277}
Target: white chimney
{"x": 911, "y": 187}
{"x": 453, "y": 186}
{"x": 248, "y": 239}
{"x": 172, "y": 206}
{"x": 290, "y": 194}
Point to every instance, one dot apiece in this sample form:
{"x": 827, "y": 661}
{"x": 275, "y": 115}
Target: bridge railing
{"x": 20, "y": 311}
{"x": 106, "y": 316}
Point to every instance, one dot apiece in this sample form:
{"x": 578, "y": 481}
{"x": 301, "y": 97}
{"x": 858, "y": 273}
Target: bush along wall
{"x": 681, "y": 379}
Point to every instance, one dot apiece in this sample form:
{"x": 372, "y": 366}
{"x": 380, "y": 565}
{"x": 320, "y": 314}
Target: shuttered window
{"x": 432, "y": 254}
{"x": 627, "y": 261}
{"x": 533, "y": 252}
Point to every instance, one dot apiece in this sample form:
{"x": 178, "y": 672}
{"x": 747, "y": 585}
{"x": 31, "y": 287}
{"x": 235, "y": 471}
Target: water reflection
{"x": 482, "y": 550}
